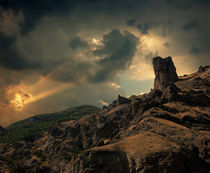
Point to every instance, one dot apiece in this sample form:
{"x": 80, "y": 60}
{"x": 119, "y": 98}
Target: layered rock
{"x": 165, "y": 72}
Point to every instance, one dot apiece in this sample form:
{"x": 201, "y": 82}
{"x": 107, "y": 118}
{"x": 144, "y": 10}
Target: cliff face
{"x": 165, "y": 72}
{"x": 166, "y": 130}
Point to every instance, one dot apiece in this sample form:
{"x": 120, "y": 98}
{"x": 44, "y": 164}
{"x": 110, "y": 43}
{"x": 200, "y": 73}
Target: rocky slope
{"x": 166, "y": 130}
{"x": 31, "y": 128}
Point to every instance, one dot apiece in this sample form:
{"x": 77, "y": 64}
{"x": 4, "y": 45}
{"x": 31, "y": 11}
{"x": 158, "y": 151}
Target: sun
{"x": 18, "y": 102}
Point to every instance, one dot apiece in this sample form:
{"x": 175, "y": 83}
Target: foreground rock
{"x": 164, "y": 131}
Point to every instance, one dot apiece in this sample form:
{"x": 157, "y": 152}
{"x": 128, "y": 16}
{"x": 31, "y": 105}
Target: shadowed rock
{"x": 165, "y": 72}
{"x": 1, "y": 128}
{"x": 202, "y": 69}
{"x": 122, "y": 100}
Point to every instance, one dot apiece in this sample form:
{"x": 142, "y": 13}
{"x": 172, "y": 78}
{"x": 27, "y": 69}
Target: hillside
{"x": 164, "y": 131}
{"x": 31, "y": 128}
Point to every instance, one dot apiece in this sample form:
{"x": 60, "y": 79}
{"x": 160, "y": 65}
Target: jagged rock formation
{"x": 122, "y": 100}
{"x": 203, "y": 69}
{"x": 164, "y": 131}
{"x": 165, "y": 72}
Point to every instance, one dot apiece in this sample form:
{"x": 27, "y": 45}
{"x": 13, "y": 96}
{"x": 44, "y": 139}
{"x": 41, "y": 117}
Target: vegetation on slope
{"x": 31, "y": 128}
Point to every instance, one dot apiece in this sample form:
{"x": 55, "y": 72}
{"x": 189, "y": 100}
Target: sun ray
{"x": 43, "y": 88}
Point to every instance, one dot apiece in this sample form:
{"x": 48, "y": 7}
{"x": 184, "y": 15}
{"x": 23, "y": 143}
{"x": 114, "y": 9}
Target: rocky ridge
{"x": 166, "y": 130}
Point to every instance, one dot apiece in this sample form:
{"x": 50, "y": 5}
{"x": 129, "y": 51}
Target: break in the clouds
{"x": 56, "y": 54}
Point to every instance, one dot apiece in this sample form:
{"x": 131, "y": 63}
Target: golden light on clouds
{"x": 96, "y": 42}
{"x": 22, "y": 95}
{"x": 19, "y": 101}
{"x": 103, "y": 102}
{"x": 114, "y": 85}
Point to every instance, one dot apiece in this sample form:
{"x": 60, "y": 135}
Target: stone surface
{"x": 165, "y": 72}
{"x": 122, "y": 100}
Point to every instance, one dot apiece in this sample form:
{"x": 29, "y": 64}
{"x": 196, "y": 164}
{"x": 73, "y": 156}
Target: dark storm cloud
{"x": 184, "y": 5}
{"x": 145, "y": 27}
{"x": 167, "y": 45}
{"x": 77, "y": 42}
{"x": 33, "y": 11}
{"x": 195, "y": 50}
{"x": 50, "y": 64}
{"x": 117, "y": 54}
{"x": 72, "y": 71}
{"x": 131, "y": 22}
{"x": 9, "y": 56}
{"x": 191, "y": 25}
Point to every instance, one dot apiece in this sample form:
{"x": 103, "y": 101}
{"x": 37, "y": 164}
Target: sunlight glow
{"x": 20, "y": 100}
{"x": 43, "y": 88}
{"x": 115, "y": 85}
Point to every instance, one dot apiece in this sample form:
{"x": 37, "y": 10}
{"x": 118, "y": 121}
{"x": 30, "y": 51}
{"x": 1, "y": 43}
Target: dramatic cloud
{"x": 60, "y": 53}
{"x": 166, "y": 44}
{"x": 77, "y": 42}
{"x": 116, "y": 54}
{"x": 131, "y": 22}
{"x": 145, "y": 27}
{"x": 191, "y": 25}
{"x": 11, "y": 58}
{"x": 9, "y": 21}
{"x": 195, "y": 50}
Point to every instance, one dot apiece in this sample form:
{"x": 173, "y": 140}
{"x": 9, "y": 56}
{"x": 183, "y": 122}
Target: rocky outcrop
{"x": 164, "y": 131}
{"x": 122, "y": 100}
{"x": 203, "y": 69}
{"x": 199, "y": 81}
{"x": 165, "y": 72}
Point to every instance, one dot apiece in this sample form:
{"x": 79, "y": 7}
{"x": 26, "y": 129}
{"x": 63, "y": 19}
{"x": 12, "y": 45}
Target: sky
{"x": 55, "y": 54}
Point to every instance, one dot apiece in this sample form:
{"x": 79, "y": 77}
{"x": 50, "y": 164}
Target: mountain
{"x": 164, "y": 131}
{"x": 31, "y": 128}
